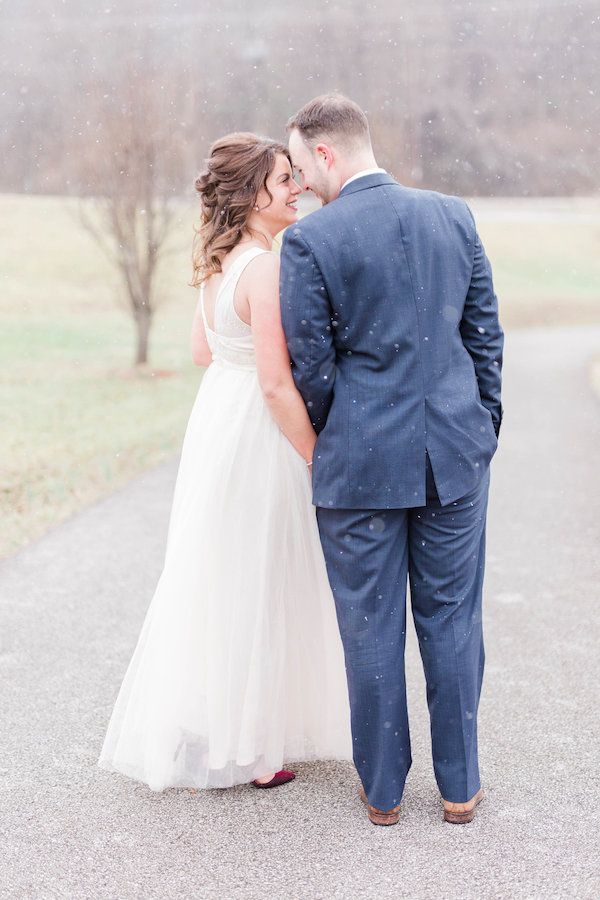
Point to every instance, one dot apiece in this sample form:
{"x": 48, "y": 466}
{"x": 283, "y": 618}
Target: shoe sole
{"x": 378, "y": 818}
{"x": 465, "y": 817}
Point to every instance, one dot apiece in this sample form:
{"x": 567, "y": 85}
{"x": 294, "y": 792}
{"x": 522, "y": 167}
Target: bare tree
{"x": 134, "y": 162}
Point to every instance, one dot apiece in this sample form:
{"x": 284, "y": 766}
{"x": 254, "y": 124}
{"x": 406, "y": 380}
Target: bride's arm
{"x": 272, "y": 357}
{"x": 201, "y": 354}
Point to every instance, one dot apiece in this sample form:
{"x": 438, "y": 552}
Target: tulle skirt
{"x": 239, "y": 664}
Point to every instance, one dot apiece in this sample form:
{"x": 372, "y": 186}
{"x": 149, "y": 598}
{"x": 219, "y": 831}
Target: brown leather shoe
{"x": 461, "y": 813}
{"x": 379, "y": 816}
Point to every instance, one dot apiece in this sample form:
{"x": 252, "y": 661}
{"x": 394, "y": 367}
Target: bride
{"x": 239, "y": 665}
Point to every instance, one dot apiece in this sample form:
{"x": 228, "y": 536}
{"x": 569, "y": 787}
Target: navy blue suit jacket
{"x": 392, "y": 327}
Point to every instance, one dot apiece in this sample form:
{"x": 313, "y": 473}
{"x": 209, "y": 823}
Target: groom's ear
{"x": 325, "y": 153}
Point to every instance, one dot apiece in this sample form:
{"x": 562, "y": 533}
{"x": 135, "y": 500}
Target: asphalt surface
{"x": 71, "y": 606}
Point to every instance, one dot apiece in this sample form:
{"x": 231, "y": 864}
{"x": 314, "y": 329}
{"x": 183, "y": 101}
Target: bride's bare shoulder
{"x": 266, "y": 261}
{"x": 262, "y": 273}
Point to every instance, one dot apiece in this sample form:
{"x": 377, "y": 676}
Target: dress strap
{"x": 234, "y": 274}
{"x": 202, "y": 310}
{"x": 242, "y": 261}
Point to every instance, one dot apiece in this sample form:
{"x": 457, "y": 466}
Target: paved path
{"x": 71, "y": 607}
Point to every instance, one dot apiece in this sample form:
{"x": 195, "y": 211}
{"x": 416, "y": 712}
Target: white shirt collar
{"x": 374, "y": 171}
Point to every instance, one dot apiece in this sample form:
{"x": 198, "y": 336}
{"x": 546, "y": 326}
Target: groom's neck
{"x": 357, "y": 164}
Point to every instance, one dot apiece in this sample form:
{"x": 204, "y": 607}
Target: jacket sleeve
{"x": 306, "y": 316}
{"x": 482, "y": 333}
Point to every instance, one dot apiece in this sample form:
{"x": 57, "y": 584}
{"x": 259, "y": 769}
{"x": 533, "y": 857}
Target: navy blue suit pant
{"x": 370, "y": 554}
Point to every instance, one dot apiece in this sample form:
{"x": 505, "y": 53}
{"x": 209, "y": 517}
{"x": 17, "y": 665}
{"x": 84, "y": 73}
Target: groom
{"x": 392, "y": 327}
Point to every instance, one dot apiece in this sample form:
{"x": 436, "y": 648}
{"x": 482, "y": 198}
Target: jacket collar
{"x": 366, "y": 181}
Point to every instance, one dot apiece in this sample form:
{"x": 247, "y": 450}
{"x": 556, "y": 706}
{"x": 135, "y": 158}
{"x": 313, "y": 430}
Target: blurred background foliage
{"x": 495, "y": 99}
{"x": 107, "y": 114}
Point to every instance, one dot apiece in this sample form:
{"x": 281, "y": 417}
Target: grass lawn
{"x": 545, "y": 255}
{"x": 77, "y": 423}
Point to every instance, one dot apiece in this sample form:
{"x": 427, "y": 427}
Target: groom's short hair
{"x": 333, "y": 117}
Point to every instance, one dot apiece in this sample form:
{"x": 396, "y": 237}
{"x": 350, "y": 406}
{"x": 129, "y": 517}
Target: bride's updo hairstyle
{"x": 237, "y": 168}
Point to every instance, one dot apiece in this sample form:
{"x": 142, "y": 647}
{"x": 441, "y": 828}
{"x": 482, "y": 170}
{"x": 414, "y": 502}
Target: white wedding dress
{"x": 239, "y": 664}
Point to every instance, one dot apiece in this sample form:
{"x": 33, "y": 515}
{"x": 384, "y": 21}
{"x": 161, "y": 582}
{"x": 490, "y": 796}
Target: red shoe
{"x": 278, "y": 778}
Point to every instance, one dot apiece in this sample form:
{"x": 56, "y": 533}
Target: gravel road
{"x": 71, "y": 606}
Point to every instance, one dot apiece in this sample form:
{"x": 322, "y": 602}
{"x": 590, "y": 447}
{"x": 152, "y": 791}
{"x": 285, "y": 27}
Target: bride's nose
{"x": 295, "y": 188}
